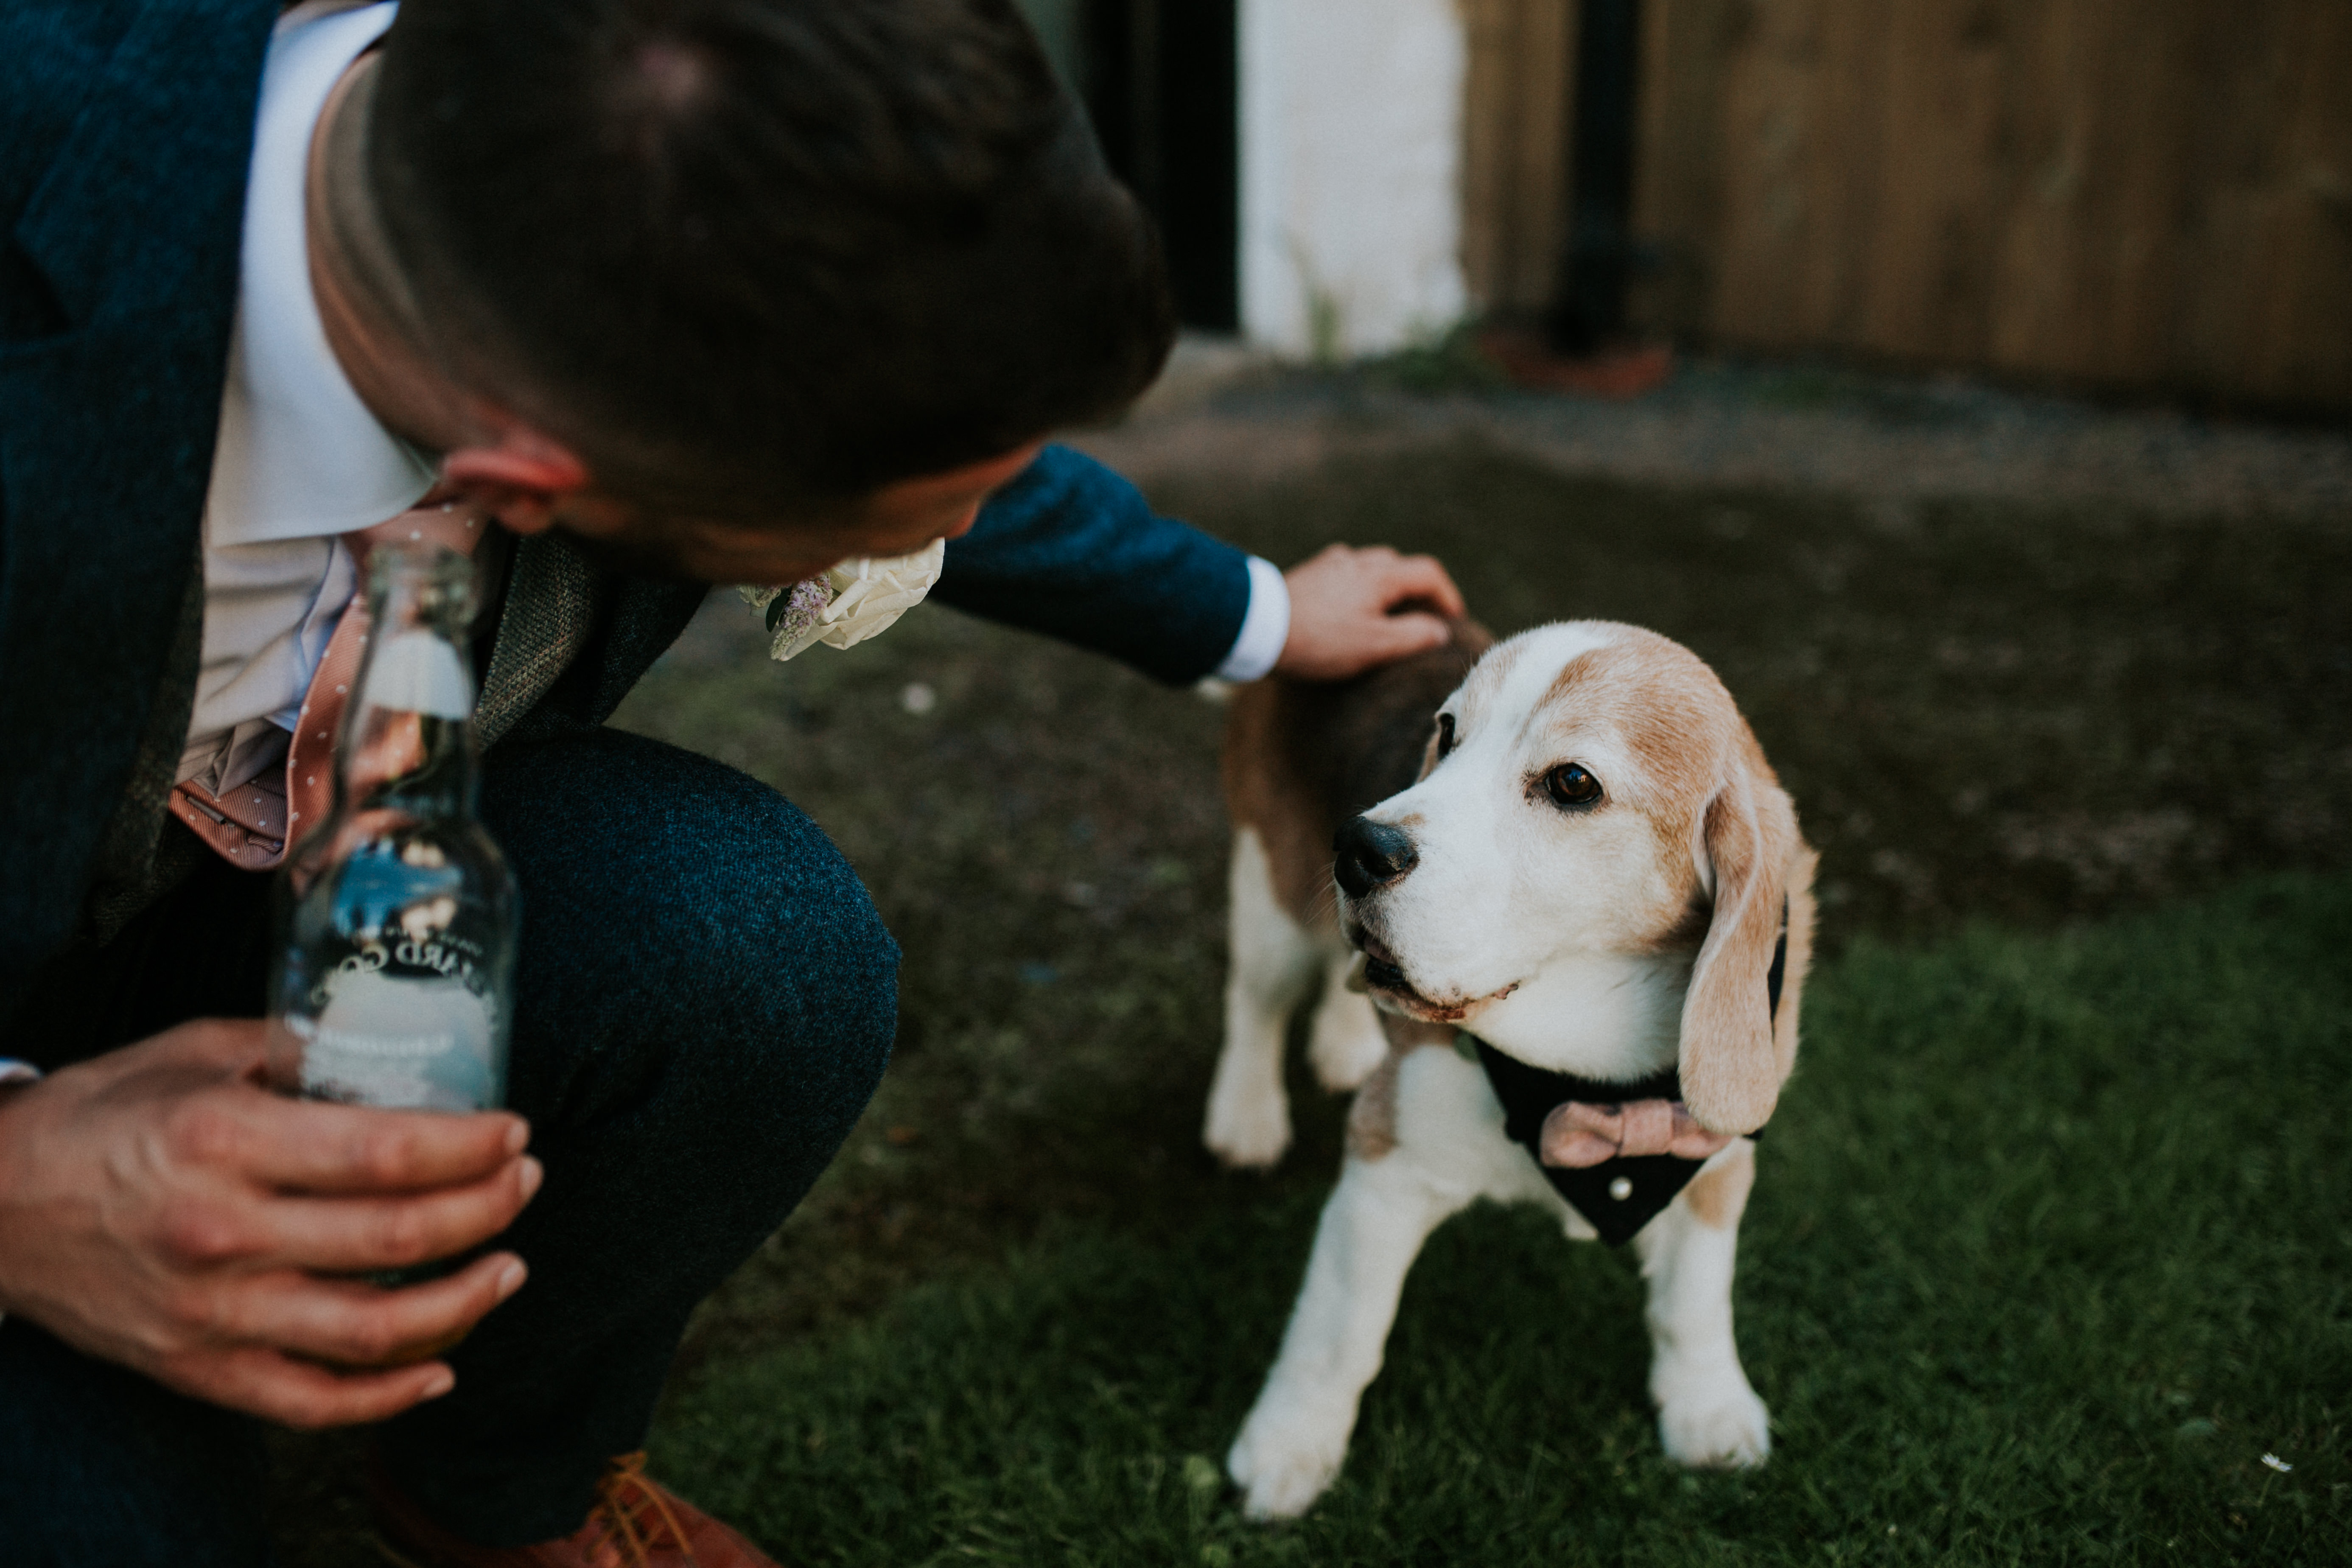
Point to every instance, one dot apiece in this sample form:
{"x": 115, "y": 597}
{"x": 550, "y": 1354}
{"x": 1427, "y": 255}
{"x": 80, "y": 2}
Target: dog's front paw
{"x": 1283, "y": 1462}
{"x": 1247, "y": 1132}
{"x": 1719, "y": 1425}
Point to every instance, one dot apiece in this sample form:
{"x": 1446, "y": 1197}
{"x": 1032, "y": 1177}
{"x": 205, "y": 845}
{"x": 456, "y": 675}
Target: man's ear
{"x": 1730, "y": 1073}
{"x": 520, "y": 478}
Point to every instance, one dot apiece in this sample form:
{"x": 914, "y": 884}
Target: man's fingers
{"x": 1421, "y": 577}
{"x": 347, "y": 1235}
{"x": 323, "y": 1148}
{"x": 1368, "y": 641}
{"x": 201, "y": 1049}
{"x": 277, "y": 1388}
{"x": 1400, "y": 636}
{"x": 358, "y": 1325}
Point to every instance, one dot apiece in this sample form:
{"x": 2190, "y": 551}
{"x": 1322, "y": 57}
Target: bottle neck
{"x": 407, "y": 745}
{"x": 413, "y": 764}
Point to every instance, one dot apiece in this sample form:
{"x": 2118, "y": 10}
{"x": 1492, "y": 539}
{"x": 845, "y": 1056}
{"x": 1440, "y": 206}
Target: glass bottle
{"x": 395, "y": 973}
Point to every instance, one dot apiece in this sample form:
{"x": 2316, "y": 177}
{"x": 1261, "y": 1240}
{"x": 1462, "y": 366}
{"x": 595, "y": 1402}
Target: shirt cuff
{"x": 1264, "y": 628}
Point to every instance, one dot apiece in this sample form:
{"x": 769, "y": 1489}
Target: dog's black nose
{"x": 1370, "y": 854}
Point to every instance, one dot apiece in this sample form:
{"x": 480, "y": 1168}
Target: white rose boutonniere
{"x": 845, "y": 604}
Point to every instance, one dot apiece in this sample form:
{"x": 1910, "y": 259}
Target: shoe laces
{"x": 635, "y": 1515}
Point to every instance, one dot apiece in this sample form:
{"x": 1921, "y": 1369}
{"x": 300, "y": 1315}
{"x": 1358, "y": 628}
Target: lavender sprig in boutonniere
{"x": 847, "y": 604}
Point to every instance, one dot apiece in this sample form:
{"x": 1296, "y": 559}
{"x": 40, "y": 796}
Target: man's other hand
{"x": 1351, "y": 609}
{"x": 159, "y": 1208}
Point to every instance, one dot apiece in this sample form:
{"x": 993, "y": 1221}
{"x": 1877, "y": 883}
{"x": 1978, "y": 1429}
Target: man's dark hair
{"x": 742, "y": 253}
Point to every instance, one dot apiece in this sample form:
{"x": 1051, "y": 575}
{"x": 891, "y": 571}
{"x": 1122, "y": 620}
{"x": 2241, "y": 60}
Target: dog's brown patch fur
{"x": 1301, "y": 757}
{"x": 1371, "y": 1119}
{"x": 1672, "y": 712}
{"x": 1719, "y": 1194}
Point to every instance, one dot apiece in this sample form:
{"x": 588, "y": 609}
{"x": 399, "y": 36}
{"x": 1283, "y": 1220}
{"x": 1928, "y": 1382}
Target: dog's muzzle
{"x": 1368, "y": 854}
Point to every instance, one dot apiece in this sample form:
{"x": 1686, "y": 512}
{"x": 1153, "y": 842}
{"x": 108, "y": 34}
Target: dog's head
{"x": 1592, "y": 866}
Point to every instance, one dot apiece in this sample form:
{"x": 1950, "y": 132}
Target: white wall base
{"x": 1350, "y": 173}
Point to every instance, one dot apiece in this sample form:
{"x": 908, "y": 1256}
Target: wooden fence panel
{"x": 2128, "y": 193}
{"x": 1515, "y": 137}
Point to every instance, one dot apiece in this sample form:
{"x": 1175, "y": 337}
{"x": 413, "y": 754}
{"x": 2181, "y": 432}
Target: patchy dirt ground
{"x": 2015, "y": 660}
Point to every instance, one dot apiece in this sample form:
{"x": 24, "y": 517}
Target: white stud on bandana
{"x": 845, "y": 604}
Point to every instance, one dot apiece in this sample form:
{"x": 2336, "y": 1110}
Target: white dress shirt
{"x": 300, "y": 460}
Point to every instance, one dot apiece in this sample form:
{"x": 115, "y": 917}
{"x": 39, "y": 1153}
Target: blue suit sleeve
{"x": 1072, "y": 549}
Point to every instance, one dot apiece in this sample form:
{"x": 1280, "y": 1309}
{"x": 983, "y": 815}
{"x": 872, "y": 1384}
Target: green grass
{"x": 2049, "y": 1248}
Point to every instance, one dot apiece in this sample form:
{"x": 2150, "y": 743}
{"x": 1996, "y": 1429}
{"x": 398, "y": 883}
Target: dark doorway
{"x": 1158, "y": 79}
{"x": 1589, "y": 313}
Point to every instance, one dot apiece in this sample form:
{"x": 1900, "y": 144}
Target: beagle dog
{"x": 1561, "y": 965}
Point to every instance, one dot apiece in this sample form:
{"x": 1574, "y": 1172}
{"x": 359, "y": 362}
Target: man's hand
{"x": 159, "y": 1209}
{"x": 1348, "y": 610}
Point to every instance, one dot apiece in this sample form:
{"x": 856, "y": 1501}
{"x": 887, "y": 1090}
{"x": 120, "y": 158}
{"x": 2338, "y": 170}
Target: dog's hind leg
{"x": 1270, "y": 963}
{"x": 1708, "y": 1414}
{"x": 1295, "y": 1436}
{"x": 1345, "y": 1042}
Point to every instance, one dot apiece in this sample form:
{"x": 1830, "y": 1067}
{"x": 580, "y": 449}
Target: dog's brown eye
{"x": 1444, "y": 735}
{"x": 1570, "y": 786}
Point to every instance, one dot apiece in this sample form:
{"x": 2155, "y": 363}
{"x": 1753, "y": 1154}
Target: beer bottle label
{"x": 399, "y": 1035}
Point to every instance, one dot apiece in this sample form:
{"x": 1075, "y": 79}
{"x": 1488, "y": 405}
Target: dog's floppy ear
{"x": 1730, "y": 1073}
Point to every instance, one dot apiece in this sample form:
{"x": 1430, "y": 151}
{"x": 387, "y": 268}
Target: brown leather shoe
{"x": 637, "y": 1523}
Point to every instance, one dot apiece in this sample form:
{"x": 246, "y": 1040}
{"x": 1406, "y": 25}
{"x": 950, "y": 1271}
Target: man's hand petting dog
{"x": 1351, "y": 609}
{"x": 161, "y": 1210}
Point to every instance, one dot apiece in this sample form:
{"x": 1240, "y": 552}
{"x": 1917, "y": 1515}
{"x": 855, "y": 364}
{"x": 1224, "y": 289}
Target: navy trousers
{"x": 705, "y": 1002}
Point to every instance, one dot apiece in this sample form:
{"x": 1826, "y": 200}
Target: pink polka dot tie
{"x": 252, "y": 825}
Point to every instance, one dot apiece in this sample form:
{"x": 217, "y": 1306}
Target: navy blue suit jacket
{"x": 125, "y": 133}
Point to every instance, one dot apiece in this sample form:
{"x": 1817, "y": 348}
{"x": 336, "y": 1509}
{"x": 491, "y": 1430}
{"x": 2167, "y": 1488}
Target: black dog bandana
{"x": 1618, "y": 1195}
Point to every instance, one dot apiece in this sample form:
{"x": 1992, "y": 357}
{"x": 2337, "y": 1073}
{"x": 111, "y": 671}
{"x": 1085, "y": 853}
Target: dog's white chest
{"x": 1449, "y": 1126}
{"x": 1604, "y": 1016}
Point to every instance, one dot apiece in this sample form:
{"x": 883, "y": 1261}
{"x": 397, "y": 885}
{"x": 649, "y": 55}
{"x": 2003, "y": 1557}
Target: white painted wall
{"x": 1350, "y": 176}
